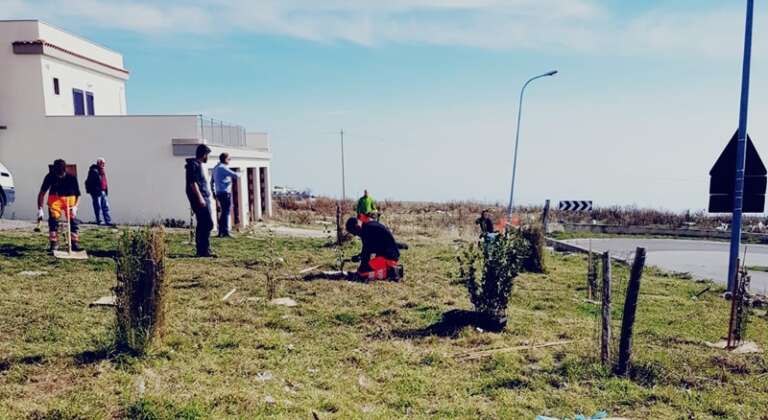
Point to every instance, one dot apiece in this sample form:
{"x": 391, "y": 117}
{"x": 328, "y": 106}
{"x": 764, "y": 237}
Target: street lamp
{"x": 517, "y": 140}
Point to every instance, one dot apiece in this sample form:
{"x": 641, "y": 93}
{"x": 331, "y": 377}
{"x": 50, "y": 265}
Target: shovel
{"x": 69, "y": 254}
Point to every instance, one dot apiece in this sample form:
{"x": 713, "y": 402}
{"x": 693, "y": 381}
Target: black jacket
{"x": 66, "y": 186}
{"x": 93, "y": 181}
{"x": 378, "y": 240}
{"x": 194, "y": 174}
{"x": 486, "y": 224}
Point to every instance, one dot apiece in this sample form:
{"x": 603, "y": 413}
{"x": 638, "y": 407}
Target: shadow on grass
{"x": 13, "y": 251}
{"x": 119, "y": 357}
{"x": 7, "y": 363}
{"x": 89, "y": 357}
{"x": 103, "y": 253}
{"x": 333, "y": 275}
{"x": 451, "y": 324}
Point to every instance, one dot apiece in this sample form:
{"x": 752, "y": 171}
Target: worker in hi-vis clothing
{"x": 366, "y": 208}
{"x": 63, "y": 195}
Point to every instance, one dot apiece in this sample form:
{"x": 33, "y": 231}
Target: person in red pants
{"x": 380, "y": 254}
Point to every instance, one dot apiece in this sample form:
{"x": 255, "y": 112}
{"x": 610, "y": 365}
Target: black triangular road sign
{"x": 723, "y": 179}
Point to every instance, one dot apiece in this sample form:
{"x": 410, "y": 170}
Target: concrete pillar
{"x": 257, "y": 192}
{"x": 242, "y": 183}
{"x": 208, "y": 177}
{"x": 268, "y": 193}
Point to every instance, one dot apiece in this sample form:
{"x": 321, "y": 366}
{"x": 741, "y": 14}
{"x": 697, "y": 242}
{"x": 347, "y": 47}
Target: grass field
{"x": 352, "y": 350}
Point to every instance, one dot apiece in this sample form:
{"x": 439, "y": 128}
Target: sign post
{"x": 575, "y": 205}
{"x": 741, "y": 151}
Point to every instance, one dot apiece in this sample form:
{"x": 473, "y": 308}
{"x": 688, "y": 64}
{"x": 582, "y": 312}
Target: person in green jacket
{"x": 366, "y": 208}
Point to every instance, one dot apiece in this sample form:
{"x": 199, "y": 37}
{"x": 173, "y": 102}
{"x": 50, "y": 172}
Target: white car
{"x": 7, "y": 189}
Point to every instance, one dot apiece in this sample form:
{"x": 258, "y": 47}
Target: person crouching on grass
{"x": 379, "y": 241}
{"x": 63, "y": 194}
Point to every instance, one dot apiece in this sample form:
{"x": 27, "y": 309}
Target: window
{"x": 77, "y": 99}
{"x": 56, "y": 85}
{"x": 89, "y": 103}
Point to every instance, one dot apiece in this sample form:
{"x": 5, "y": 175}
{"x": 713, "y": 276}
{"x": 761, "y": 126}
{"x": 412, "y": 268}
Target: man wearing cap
{"x": 96, "y": 186}
{"x": 63, "y": 197}
{"x": 199, "y": 197}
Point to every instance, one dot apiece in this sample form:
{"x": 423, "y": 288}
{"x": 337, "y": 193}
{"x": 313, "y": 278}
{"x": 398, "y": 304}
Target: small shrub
{"x": 489, "y": 272}
{"x": 175, "y": 223}
{"x": 152, "y": 409}
{"x": 141, "y": 288}
{"x": 534, "y": 259}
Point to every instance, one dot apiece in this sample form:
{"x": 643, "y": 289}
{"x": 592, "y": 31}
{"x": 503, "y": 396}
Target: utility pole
{"x": 741, "y": 152}
{"x": 343, "y": 176}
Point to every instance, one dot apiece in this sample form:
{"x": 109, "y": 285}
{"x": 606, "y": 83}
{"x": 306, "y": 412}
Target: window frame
{"x": 90, "y": 104}
{"x": 76, "y": 92}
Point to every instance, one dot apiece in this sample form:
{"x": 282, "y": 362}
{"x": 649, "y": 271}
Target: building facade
{"x": 62, "y": 96}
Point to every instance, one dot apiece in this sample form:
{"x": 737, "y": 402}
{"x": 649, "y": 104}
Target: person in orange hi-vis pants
{"x": 63, "y": 195}
{"x": 380, "y": 254}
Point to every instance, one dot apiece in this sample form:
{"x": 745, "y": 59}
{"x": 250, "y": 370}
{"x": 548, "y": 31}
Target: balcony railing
{"x": 221, "y": 133}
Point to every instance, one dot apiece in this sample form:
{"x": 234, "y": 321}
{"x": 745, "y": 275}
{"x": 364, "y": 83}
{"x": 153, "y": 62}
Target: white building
{"x": 62, "y": 96}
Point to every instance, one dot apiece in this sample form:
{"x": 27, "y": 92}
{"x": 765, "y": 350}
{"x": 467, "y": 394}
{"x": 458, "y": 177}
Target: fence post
{"x": 545, "y": 216}
{"x": 605, "y": 339}
{"x": 338, "y": 224}
{"x": 592, "y": 264}
{"x": 630, "y": 309}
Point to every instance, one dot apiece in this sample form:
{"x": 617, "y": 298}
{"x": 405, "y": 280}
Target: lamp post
{"x": 517, "y": 140}
{"x": 741, "y": 151}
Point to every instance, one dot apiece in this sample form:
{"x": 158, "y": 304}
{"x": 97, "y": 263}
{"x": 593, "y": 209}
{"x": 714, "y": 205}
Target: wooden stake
{"x": 605, "y": 340}
{"x": 630, "y": 309}
{"x": 591, "y": 274}
{"x": 228, "y": 295}
{"x": 338, "y": 224}
{"x": 474, "y": 355}
{"x": 730, "y": 345}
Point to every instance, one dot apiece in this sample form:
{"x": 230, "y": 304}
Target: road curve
{"x": 705, "y": 260}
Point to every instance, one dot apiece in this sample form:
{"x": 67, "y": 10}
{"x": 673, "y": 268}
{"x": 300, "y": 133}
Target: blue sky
{"x": 646, "y": 98}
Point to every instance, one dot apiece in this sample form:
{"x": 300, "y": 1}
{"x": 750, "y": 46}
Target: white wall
{"x": 78, "y": 45}
{"x": 146, "y": 181}
{"x": 26, "y": 81}
{"x": 21, "y": 94}
{"x": 108, "y": 91}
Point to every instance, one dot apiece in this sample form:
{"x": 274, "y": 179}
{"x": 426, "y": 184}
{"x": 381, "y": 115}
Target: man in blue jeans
{"x": 199, "y": 197}
{"x": 222, "y": 185}
{"x": 96, "y": 185}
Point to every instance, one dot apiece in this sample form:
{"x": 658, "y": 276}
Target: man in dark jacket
{"x": 199, "y": 197}
{"x": 96, "y": 186}
{"x": 378, "y": 241}
{"x": 63, "y": 197}
{"x": 485, "y": 222}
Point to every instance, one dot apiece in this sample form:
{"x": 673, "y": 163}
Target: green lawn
{"x": 353, "y": 350}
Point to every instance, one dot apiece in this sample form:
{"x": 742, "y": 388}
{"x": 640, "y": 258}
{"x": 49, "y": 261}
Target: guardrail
{"x": 218, "y": 132}
{"x": 655, "y": 231}
{"x": 562, "y": 246}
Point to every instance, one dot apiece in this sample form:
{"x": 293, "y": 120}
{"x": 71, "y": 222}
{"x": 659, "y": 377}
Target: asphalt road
{"x": 6, "y": 224}
{"x": 706, "y": 260}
